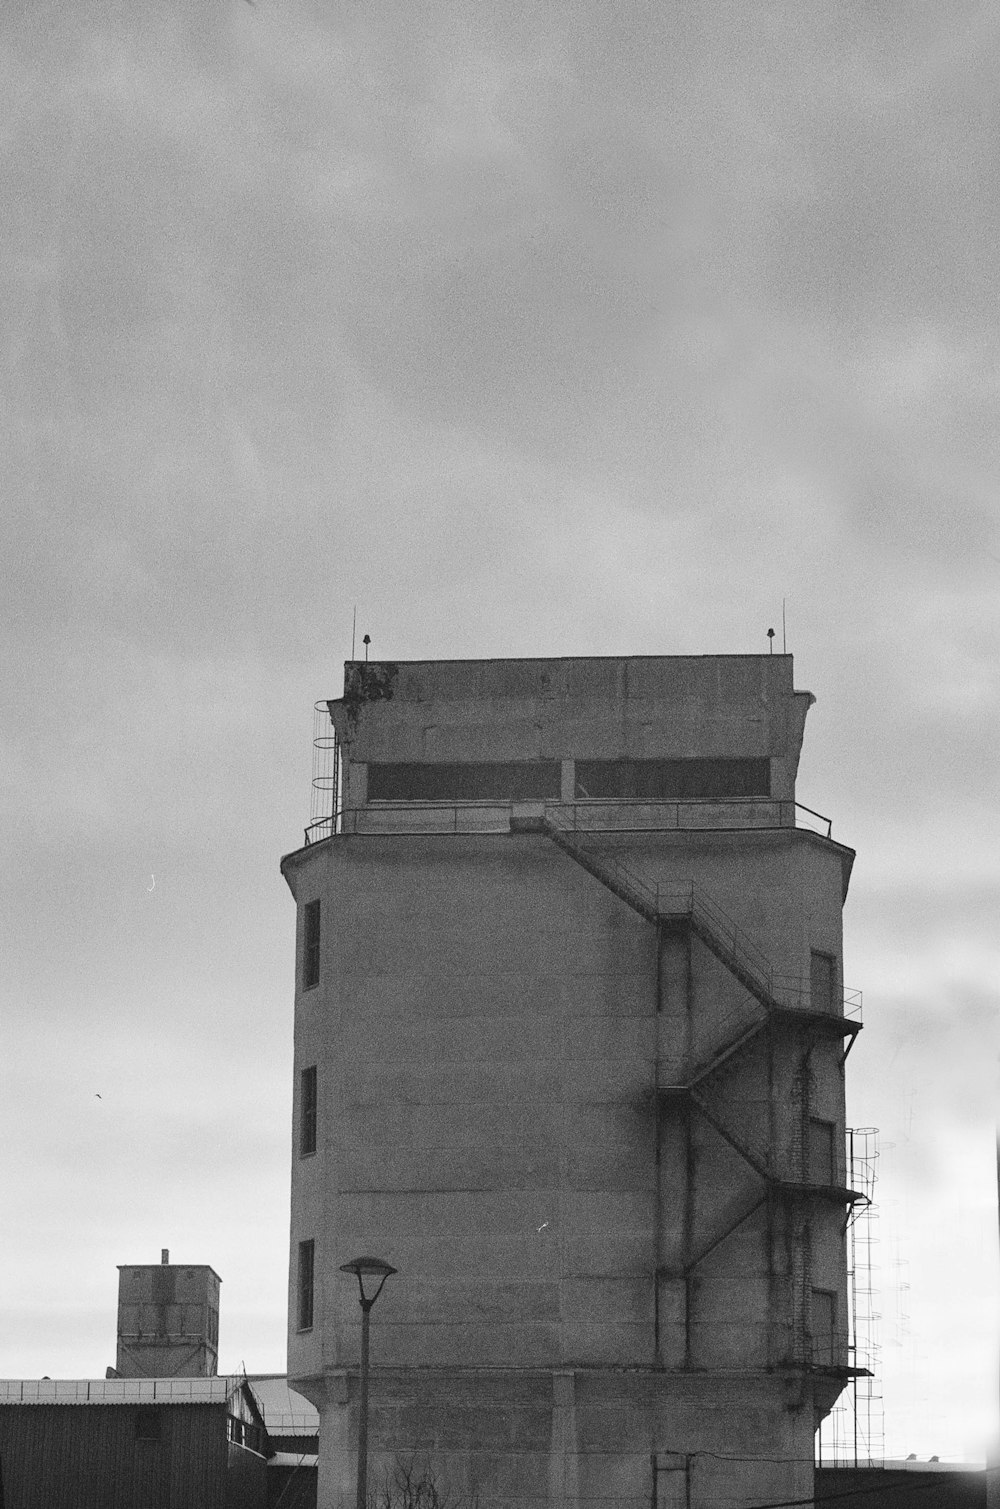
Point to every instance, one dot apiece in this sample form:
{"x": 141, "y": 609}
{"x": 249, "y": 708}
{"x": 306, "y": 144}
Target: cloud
{"x": 529, "y": 330}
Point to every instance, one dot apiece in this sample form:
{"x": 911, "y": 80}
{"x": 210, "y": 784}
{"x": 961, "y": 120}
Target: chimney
{"x": 164, "y": 1254}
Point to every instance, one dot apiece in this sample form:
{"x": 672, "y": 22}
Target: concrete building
{"x": 570, "y": 1034}
{"x": 168, "y": 1320}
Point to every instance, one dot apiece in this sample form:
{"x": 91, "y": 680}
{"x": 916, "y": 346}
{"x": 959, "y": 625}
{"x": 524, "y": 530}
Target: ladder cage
{"x": 853, "y": 1434}
{"x": 327, "y": 795}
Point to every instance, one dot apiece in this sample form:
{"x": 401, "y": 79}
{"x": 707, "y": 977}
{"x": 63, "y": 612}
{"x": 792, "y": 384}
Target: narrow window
{"x": 307, "y": 1254}
{"x": 824, "y": 1327}
{"x": 307, "y": 1111}
{"x": 822, "y": 980}
{"x": 310, "y": 946}
{"x": 822, "y": 1166}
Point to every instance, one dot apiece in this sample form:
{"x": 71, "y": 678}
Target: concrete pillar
{"x": 338, "y": 1447}
{"x": 564, "y": 1492}
{"x": 567, "y": 792}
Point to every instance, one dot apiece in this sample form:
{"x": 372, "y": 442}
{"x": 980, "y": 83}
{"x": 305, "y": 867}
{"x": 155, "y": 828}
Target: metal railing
{"x": 714, "y": 813}
{"x": 592, "y": 816}
{"x": 683, "y": 898}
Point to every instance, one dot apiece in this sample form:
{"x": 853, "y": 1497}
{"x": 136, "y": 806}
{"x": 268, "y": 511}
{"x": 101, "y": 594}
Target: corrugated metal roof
{"x": 117, "y": 1390}
{"x": 286, "y": 1412}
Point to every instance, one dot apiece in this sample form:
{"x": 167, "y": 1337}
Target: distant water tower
{"x": 168, "y": 1320}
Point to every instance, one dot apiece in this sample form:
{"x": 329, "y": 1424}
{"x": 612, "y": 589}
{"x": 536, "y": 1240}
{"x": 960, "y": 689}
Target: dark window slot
{"x": 307, "y": 1111}
{"x": 148, "y": 1424}
{"x": 310, "y": 946}
{"x": 822, "y": 981}
{"x": 307, "y": 1254}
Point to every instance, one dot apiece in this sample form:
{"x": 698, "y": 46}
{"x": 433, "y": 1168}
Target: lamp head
{"x": 369, "y": 1267}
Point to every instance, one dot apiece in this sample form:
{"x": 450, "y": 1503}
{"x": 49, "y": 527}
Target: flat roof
{"x": 118, "y": 1390}
{"x": 286, "y": 1412}
{"x": 547, "y": 659}
{"x": 192, "y": 1267}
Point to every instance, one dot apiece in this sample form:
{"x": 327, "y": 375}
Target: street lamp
{"x": 365, "y": 1267}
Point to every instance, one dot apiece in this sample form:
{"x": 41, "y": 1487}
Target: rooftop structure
{"x": 168, "y": 1320}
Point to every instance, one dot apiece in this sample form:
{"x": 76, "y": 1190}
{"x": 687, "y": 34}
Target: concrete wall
{"x": 486, "y": 1047}
{"x": 639, "y": 707}
{"x": 502, "y": 1045}
{"x": 168, "y": 1320}
{"x": 593, "y": 1438}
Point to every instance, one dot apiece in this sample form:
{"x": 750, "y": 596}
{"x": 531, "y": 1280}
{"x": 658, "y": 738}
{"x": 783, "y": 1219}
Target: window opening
{"x": 307, "y": 1111}
{"x": 822, "y": 980}
{"x": 673, "y": 780}
{"x": 148, "y": 1425}
{"x": 307, "y": 1252}
{"x": 310, "y": 947}
{"x": 824, "y": 1327}
{"x": 822, "y": 1168}
{"x": 465, "y": 781}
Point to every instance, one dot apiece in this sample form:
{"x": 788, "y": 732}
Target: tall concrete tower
{"x": 570, "y": 1034}
{"x": 168, "y": 1320}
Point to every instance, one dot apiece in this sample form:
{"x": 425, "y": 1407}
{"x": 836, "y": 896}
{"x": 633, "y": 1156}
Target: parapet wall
{"x": 663, "y": 708}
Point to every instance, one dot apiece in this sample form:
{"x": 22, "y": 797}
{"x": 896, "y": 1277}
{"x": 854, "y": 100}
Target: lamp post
{"x": 362, "y": 1268}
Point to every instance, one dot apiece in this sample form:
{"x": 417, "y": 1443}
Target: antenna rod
{"x": 354, "y": 629}
{"x": 784, "y": 646}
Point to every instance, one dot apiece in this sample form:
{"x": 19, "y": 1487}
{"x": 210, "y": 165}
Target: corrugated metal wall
{"x": 292, "y": 1487}
{"x": 246, "y": 1479}
{"x": 92, "y": 1457}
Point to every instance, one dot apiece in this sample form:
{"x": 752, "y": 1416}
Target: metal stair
{"x": 685, "y": 904}
{"x": 618, "y": 879}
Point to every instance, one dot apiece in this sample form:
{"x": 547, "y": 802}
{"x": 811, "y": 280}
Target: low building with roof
{"x": 132, "y": 1443}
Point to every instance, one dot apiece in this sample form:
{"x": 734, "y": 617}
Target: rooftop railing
{"x": 593, "y": 816}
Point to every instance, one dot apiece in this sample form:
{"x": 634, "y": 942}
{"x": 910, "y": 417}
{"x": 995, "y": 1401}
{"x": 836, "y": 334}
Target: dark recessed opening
{"x": 673, "y": 780}
{"x": 148, "y": 1424}
{"x": 465, "y": 781}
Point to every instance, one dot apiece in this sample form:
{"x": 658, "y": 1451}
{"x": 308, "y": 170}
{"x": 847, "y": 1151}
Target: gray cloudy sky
{"x": 533, "y": 329}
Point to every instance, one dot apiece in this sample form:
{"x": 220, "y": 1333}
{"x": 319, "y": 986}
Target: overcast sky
{"x": 531, "y": 328}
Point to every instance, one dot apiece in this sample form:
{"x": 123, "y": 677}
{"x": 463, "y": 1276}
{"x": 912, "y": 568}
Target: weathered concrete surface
{"x": 579, "y": 1437}
{"x": 640, "y": 707}
{"x": 168, "y": 1320}
{"x": 603, "y": 1280}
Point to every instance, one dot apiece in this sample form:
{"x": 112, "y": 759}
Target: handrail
{"x": 788, "y": 812}
{"x": 683, "y": 898}
{"x": 666, "y": 899}
{"x": 597, "y": 815}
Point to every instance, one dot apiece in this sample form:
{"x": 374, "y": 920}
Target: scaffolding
{"x": 853, "y": 1434}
